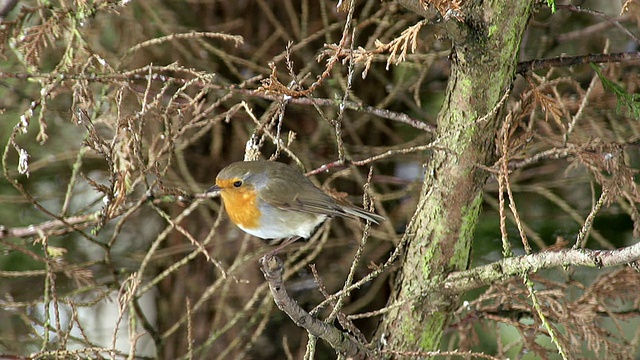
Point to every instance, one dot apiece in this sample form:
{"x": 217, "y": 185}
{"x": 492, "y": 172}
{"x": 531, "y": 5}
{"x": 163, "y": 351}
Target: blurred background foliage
{"x": 113, "y": 115}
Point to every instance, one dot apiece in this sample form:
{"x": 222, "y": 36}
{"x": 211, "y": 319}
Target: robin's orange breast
{"x": 241, "y": 205}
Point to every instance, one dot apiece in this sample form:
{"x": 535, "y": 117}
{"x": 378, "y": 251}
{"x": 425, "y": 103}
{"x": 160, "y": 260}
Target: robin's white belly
{"x": 285, "y": 224}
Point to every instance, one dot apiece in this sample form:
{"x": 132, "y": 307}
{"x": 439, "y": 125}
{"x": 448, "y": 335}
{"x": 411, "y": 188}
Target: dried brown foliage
{"x": 116, "y": 115}
{"x": 582, "y": 315}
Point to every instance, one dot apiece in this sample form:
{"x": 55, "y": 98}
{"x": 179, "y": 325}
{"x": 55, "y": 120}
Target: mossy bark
{"x": 439, "y": 240}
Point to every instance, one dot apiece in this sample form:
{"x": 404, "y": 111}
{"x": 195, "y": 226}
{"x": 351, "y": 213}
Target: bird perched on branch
{"x": 272, "y": 200}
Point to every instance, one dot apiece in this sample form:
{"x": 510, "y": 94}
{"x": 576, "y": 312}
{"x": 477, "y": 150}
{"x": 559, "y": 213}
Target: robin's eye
{"x": 237, "y": 183}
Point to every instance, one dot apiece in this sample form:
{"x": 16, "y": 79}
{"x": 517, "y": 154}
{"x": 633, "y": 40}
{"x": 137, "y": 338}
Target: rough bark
{"x": 439, "y": 238}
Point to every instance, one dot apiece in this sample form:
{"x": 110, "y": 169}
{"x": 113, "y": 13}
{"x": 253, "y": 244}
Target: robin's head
{"x": 241, "y": 177}
{"x": 239, "y": 184}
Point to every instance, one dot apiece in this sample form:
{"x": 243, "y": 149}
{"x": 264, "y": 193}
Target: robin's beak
{"x": 214, "y": 188}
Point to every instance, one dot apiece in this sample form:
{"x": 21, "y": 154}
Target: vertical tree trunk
{"x": 484, "y": 57}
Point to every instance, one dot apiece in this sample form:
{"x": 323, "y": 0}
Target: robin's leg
{"x": 283, "y": 244}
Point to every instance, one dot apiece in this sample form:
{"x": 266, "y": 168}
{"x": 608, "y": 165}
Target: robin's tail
{"x": 362, "y": 213}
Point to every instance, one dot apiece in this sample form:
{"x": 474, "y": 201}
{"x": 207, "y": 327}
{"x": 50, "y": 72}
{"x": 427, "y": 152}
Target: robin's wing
{"x": 302, "y": 195}
{"x": 295, "y": 198}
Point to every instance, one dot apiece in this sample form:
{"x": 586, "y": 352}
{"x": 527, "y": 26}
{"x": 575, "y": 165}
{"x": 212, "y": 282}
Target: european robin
{"x": 272, "y": 200}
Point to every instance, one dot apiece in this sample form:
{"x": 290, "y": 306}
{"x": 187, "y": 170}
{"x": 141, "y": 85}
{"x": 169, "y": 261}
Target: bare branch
{"x": 564, "y": 61}
{"x": 272, "y": 268}
{"x": 66, "y": 224}
{"x": 461, "y": 281}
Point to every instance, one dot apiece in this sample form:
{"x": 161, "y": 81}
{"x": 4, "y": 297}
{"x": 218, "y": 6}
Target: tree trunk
{"x": 483, "y": 62}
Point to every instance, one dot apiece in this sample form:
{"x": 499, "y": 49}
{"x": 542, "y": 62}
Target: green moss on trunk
{"x": 440, "y": 238}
